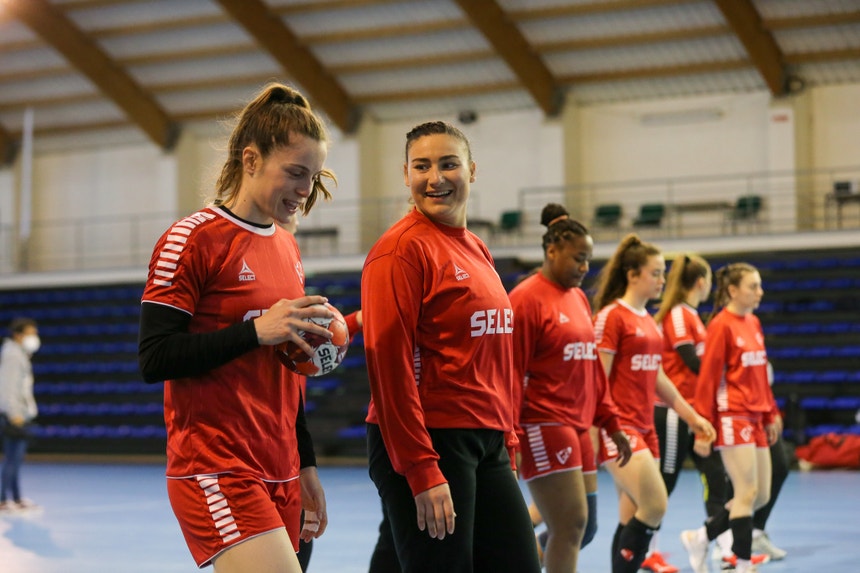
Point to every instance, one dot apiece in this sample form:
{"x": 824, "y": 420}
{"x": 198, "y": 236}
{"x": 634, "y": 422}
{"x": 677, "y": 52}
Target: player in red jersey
{"x": 630, "y": 347}
{"x": 687, "y": 285}
{"x": 733, "y": 392}
{"x": 564, "y": 390}
{"x": 438, "y": 336}
{"x": 225, "y": 286}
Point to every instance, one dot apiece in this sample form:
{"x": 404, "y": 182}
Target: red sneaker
{"x": 731, "y": 561}
{"x": 656, "y": 564}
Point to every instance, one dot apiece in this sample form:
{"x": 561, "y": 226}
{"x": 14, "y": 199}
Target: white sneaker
{"x": 763, "y": 544}
{"x": 697, "y": 550}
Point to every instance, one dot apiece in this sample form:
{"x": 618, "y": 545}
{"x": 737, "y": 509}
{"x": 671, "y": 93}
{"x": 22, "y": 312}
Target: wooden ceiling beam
{"x": 657, "y": 72}
{"x": 269, "y": 30}
{"x": 326, "y": 5}
{"x": 643, "y": 38}
{"x": 83, "y": 53}
{"x": 812, "y": 21}
{"x": 837, "y": 55}
{"x": 760, "y": 44}
{"x": 437, "y": 93}
{"x": 441, "y": 59}
{"x": 512, "y": 46}
{"x": 587, "y": 8}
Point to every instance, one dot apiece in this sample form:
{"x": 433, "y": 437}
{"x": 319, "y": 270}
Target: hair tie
{"x": 556, "y": 220}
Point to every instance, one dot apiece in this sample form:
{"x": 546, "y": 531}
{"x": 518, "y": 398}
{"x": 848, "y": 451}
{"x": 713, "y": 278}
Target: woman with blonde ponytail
{"x": 733, "y": 392}
{"x": 630, "y": 349}
{"x": 688, "y": 284}
{"x": 225, "y": 287}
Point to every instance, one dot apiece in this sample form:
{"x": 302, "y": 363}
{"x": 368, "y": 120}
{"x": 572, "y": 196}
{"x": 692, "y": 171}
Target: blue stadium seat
{"x": 358, "y": 432}
{"x": 806, "y": 328}
{"x": 815, "y": 403}
{"x": 813, "y": 431}
{"x": 833, "y": 377}
{"x": 848, "y": 351}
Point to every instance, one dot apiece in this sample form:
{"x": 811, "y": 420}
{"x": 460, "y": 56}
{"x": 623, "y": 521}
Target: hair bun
{"x": 287, "y": 95}
{"x": 552, "y": 213}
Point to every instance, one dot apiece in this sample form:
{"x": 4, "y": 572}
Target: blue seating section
{"x": 90, "y": 391}
{"x": 100, "y": 432}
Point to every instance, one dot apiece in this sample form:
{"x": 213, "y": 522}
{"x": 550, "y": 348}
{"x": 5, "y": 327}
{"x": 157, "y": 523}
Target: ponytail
{"x": 685, "y": 272}
{"x": 631, "y": 255}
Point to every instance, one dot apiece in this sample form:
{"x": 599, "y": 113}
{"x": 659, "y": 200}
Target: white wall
{"x": 514, "y": 151}
{"x": 653, "y": 141}
{"x": 836, "y": 126}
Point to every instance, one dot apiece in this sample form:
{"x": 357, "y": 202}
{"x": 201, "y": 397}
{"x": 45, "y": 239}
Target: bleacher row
{"x": 92, "y": 399}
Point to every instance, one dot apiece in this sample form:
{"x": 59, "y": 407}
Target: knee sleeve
{"x": 591, "y": 524}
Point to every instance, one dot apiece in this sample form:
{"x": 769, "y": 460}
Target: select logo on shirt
{"x": 459, "y": 273}
{"x": 645, "y": 362}
{"x": 246, "y": 274}
{"x": 562, "y": 318}
{"x": 580, "y": 351}
{"x": 492, "y": 321}
{"x": 754, "y": 358}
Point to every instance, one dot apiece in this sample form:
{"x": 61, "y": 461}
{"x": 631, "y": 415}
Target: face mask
{"x": 31, "y": 343}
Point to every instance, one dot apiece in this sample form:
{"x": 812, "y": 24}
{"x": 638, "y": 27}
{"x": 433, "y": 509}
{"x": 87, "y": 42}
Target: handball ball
{"x": 328, "y": 353}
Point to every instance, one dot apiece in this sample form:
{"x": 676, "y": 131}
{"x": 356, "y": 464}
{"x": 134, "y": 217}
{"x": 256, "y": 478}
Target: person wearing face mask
{"x": 630, "y": 347}
{"x": 225, "y": 289}
{"x": 438, "y": 336}
{"x": 17, "y": 407}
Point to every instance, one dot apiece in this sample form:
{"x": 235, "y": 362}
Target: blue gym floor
{"x": 116, "y": 519}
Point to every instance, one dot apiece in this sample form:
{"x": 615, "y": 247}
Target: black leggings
{"x": 493, "y": 529}
{"x": 676, "y": 443}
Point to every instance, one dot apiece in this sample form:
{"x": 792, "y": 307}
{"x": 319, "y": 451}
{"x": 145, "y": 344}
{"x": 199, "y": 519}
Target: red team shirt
{"x": 438, "y": 339}
{"x": 555, "y": 354}
{"x": 733, "y": 375}
{"x": 633, "y": 337}
{"x": 681, "y": 326}
{"x": 239, "y": 417}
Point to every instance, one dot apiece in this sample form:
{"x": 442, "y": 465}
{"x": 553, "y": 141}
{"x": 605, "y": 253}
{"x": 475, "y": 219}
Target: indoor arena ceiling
{"x": 157, "y": 66}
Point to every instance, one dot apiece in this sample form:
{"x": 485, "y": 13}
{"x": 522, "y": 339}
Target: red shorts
{"x": 740, "y": 430}
{"x": 216, "y": 512}
{"x": 639, "y": 441}
{"x": 547, "y": 450}
{"x": 586, "y": 447}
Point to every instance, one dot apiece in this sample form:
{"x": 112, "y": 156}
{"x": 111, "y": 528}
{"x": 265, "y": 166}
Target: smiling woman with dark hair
{"x": 438, "y": 337}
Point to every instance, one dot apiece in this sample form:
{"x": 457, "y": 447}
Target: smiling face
{"x": 566, "y": 262}
{"x": 438, "y": 172}
{"x": 647, "y": 284}
{"x": 275, "y": 187}
{"x": 746, "y": 295}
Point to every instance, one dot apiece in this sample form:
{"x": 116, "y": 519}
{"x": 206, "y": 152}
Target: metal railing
{"x": 695, "y": 207}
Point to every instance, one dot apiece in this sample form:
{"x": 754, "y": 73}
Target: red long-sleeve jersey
{"x": 633, "y": 337}
{"x": 438, "y": 339}
{"x": 682, "y": 325}
{"x": 560, "y": 378}
{"x": 241, "y": 416}
{"x": 733, "y": 374}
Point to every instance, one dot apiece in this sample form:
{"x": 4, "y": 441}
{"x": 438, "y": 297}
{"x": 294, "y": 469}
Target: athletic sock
{"x": 653, "y": 545}
{"x": 716, "y": 524}
{"x": 615, "y": 540}
{"x": 742, "y": 533}
{"x": 591, "y": 524}
{"x": 633, "y": 543}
